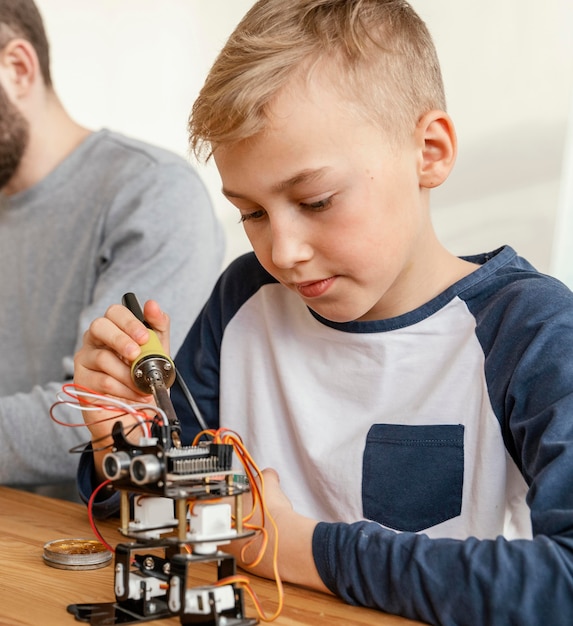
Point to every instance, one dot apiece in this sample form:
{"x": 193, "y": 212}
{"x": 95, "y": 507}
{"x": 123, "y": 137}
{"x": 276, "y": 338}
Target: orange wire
{"x": 226, "y": 436}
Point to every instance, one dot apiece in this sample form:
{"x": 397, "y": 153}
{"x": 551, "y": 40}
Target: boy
{"x": 417, "y": 403}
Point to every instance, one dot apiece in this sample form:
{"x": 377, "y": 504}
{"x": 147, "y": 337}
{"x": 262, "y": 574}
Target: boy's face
{"x": 332, "y": 210}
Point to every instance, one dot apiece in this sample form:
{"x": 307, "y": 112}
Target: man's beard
{"x": 14, "y": 135}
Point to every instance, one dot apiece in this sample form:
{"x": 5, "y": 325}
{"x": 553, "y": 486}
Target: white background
{"x": 136, "y": 65}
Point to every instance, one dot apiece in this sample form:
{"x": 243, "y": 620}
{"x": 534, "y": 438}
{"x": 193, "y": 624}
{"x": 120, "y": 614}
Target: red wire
{"x": 91, "y": 517}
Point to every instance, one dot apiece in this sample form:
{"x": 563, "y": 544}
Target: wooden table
{"x": 34, "y": 594}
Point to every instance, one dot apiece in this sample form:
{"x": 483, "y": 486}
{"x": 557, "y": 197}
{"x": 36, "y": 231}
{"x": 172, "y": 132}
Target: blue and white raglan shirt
{"x": 436, "y": 447}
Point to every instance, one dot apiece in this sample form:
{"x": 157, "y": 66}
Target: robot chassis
{"x": 151, "y": 587}
{"x": 151, "y": 573}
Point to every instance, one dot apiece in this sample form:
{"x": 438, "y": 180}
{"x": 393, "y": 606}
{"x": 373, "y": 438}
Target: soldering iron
{"x": 153, "y": 371}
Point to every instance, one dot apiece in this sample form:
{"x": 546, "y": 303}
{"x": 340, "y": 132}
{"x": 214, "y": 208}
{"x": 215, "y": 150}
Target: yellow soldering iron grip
{"x": 153, "y": 366}
{"x": 153, "y": 347}
{"x": 153, "y": 351}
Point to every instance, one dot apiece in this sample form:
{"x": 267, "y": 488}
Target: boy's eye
{"x": 319, "y": 205}
{"x": 245, "y": 217}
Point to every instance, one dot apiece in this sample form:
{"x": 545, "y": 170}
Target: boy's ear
{"x": 19, "y": 68}
{"x": 436, "y": 138}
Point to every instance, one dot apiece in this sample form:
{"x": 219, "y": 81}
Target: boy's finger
{"x": 157, "y": 319}
{"x": 102, "y": 332}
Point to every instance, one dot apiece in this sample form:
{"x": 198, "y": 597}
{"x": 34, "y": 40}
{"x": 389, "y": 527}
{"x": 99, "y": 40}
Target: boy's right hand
{"x": 103, "y": 364}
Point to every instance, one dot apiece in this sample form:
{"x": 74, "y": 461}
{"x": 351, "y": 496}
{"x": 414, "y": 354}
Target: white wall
{"x": 562, "y": 252}
{"x": 136, "y": 65}
{"x": 508, "y": 69}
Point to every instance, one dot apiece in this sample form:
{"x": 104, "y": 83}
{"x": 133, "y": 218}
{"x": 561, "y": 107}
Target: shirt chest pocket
{"x": 412, "y": 476}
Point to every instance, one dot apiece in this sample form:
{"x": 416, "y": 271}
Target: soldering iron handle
{"x": 130, "y": 301}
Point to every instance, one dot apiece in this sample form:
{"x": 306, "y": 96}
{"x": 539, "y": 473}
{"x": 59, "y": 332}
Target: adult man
{"x": 84, "y": 217}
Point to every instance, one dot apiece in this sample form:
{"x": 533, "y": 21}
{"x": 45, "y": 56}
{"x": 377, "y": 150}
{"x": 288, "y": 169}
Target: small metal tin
{"x": 76, "y": 554}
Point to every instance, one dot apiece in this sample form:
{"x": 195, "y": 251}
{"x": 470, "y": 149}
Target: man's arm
{"x": 160, "y": 239}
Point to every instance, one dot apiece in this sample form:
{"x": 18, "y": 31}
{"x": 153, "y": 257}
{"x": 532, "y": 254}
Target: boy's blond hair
{"x": 378, "y": 54}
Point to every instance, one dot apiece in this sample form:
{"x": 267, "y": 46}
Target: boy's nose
{"x": 290, "y": 245}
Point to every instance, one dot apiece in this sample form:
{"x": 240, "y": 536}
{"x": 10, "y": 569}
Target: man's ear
{"x": 436, "y": 139}
{"x": 19, "y": 68}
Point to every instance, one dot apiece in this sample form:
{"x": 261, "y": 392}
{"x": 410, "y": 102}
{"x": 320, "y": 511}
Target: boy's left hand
{"x": 295, "y": 560}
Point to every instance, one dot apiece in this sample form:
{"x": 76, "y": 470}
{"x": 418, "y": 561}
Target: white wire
{"x": 131, "y": 409}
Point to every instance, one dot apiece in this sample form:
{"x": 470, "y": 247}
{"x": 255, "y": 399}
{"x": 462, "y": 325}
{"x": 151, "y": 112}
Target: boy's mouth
{"x": 315, "y": 288}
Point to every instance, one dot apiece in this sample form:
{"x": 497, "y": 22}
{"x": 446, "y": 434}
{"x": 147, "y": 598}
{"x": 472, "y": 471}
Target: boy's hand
{"x": 103, "y": 363}
{"x": 295, "y": 560}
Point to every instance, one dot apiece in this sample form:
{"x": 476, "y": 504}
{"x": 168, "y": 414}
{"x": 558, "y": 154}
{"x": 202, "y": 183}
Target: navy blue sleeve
{"x": 447, "y": 581}
{"x": 198, "y": 360}
{"x": 525, "y": 328}
{"x": 107, "y": 504}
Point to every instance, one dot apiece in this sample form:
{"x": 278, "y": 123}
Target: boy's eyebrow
{"x": 305, "y": 176}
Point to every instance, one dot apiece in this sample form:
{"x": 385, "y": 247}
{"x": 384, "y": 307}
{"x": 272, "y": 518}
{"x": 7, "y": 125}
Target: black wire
{"x": 191, "y": 400}
{"x": 81, "y": 447}
{"x": 130, "y": 301}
